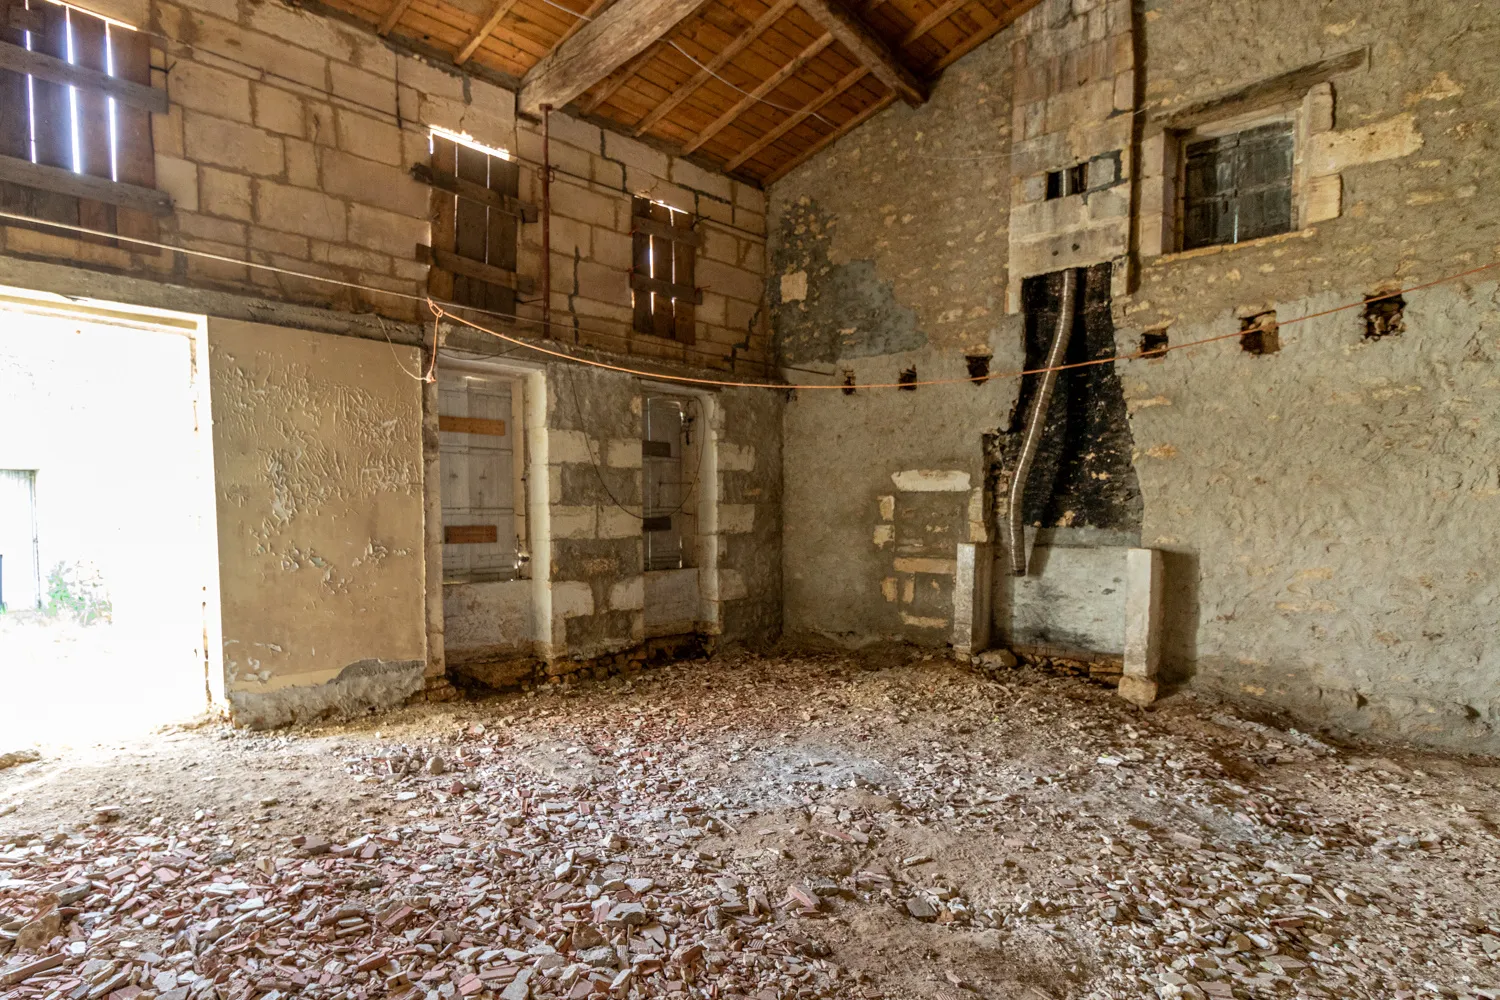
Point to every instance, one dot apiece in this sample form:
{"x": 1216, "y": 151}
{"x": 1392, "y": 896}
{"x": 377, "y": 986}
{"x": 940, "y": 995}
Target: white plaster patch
{"x": 732, "y": 585}
{"x": 628, "y": 595}
{"x": 794, "y": 287}
{"x": 572, "y": 599}
{"x": 931, "y": 481}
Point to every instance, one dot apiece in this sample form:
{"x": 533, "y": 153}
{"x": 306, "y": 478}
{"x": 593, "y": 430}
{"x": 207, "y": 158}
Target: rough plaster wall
{"x": 889, "y": 252}
{"x": 318, "y": 471}
{"x": 1331, "y": 513}
{"x": 1327, "y": 511}
{"x": 750, "y": 507}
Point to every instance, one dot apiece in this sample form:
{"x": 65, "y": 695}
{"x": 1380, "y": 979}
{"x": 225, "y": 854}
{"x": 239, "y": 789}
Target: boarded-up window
{"x": 476, "y": 217}
{"x": 484, "y": 524}
{"x": 668, "y": 466}
{"x": 1238, "y": 187}
{"x": 661, "y": 278}
{"x": 75, "y": 120}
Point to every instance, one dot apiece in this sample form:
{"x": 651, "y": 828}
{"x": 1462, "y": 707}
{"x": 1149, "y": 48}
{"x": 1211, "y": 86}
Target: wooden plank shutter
{"x": 663, "y": 271}
{"x": 663, "y": 320}
{"x": 444, "y": 208}
{"x": 641, "y": 264}
{"x": 135, "y": 156}
{"x": 684, "y": 269}
{"x": 472, "y": 260}
{"x": 90, "y": 50}
{"x": 52, "y": 114}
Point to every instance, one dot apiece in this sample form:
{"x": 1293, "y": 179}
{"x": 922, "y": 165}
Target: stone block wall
{"x": 288, "y": 142}
{"x": 1073, "y": 109}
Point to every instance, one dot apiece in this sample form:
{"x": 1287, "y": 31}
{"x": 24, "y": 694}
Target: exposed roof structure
{"x": 750, "y": 86}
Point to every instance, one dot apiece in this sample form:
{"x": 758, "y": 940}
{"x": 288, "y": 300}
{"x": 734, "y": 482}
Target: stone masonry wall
{"x": 888, "y": 254}
{"x": 288, "y": 142}
{"x": 1325, "y": 510}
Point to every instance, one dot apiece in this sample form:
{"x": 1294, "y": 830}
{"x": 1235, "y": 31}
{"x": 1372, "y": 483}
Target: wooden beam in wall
{"x": 792, "y": 121}
{"x": 868, "y": 49}
{"x": 599, "y": 48}
{"x": 831, "y": 137}
{"x": 497, "y": 14}
{"x": 711, "y": 68}
{"x": 777, "y": 79}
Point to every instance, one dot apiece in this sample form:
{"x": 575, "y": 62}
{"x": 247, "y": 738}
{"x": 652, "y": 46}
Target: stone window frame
{"x": 1316, "y": 197}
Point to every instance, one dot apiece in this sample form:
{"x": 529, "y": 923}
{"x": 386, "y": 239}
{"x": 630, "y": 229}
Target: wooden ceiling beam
{"x": 836, "y": 134}
{"x": 711, "y": 68}
{"x": 868, "y": 49}
{"x": 599, "y": 48}
{"x": 589, "y": 13}
{"x": 792, "y": 121}
{"x": 393, "y": 15}
{"x": 497, "y": 14}
{"x": 777, "y": 79}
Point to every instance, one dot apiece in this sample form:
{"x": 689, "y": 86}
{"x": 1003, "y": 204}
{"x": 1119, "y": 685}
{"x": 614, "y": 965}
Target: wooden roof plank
{"x": 392, "y": 16}
{"x": 610, "y": 85}
{"x": 831, "y": 137}
{"x": 497, "y": 14}
{"x": 868, "y": 48}
{"x": 606, "y": 43}
{"x": 932, "y": 20}
{"x": 760, "y": 92}
{"x": 718, "y": 62}
{"x": 792, "y": 121}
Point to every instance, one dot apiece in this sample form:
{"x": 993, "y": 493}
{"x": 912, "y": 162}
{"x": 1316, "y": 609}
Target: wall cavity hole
{"x": 907, "y": 382}
{"x": 1385, "y": 316}
{"x": 979, "y": 367}
{"x": 1154, "y": 343}
{"x": 848, "y": 389}
{"x": 1259, "y": 334}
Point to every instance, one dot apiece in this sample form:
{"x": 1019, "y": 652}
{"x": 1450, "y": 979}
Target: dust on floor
{"x": 813, "y": 826}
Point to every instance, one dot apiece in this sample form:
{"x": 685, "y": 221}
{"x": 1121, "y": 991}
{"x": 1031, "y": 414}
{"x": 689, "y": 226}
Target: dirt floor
{"x": 823, "y": 826}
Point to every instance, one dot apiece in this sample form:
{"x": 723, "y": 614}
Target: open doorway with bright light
{"x": 108, "y": 565}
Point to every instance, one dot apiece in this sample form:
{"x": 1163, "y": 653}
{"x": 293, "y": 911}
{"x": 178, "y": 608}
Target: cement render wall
{"x": 318, "y": 473}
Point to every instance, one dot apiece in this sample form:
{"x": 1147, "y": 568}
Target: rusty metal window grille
{"x": 1238, "y": 187}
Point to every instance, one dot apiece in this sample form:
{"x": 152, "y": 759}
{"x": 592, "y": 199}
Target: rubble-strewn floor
{"x": 766, "y": 828}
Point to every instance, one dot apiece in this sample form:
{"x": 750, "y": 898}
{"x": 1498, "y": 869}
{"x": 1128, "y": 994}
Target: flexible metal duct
{"x": 1035, "y": 423}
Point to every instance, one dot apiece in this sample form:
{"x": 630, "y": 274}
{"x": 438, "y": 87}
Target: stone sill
{"x": 1181, "y": 255}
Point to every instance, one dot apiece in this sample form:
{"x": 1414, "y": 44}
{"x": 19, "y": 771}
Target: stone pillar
{"x": 1142, "y": 625}
{"x": 971, "y": 597}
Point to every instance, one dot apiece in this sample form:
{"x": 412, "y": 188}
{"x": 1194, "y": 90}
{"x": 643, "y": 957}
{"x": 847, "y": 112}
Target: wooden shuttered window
{"x": 476, "y": 221}
{"x": 661, "y": 278}
{"x": 1238, "y": 187}
{"x": 75, "y": 121}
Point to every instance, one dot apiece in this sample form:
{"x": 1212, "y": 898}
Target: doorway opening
{"x": 108, "y": 558}
{"x": 672, "y": 453}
